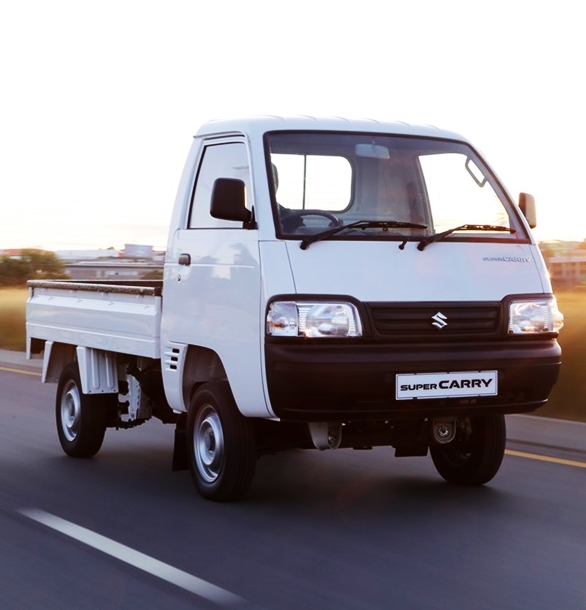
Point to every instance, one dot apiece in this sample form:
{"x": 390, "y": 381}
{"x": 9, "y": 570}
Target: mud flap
{"x": 179, "y": 448}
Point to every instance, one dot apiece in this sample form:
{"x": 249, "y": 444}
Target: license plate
{"x": 446, "y": 385}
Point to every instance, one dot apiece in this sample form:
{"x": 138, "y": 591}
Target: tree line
{"x": 31, "y": 264}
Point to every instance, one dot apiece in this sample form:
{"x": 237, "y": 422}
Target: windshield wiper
{"x": 359, "y": 224}
{"x": 439, "y": 236}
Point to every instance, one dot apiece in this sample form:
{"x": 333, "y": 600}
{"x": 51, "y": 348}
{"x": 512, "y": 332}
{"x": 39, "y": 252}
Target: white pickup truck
{"x": 327, "y": 283}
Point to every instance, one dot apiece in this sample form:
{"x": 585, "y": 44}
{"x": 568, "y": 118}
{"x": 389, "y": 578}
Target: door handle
{"x": 184, "y": 259}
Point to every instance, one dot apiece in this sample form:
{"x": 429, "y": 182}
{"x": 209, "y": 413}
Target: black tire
{"x": 476, "y": 453}
{"x": 81, "y": 418}
{"x": 221, "y": 444}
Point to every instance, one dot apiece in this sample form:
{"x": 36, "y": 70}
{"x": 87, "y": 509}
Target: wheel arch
{"x": 201, "y": 365}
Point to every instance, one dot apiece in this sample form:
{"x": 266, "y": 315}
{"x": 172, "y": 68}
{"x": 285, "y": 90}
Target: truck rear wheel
{"x": 81, "y": 418}
{"x": 221, "y": 445}
{"x": 476, "y": 453}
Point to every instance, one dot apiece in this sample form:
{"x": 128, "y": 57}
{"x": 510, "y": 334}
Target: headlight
{"x": 304, "y": 319}
{"x": 535, "y": 316}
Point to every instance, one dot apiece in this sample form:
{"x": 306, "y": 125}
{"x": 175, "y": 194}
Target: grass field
{"x": 12, "y": 318}
{"x": 568, "y": 399}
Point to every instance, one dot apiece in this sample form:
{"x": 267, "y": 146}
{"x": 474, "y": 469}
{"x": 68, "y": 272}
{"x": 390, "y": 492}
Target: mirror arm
{"x": 251, "y": 222}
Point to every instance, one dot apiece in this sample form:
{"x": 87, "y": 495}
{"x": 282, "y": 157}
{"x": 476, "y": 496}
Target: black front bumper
{"x": 323, "y": 380}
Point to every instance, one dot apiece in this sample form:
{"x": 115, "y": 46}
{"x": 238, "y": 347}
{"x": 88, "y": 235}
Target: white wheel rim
{"x": 208, "y": 444}
{"x": 70, "y": 411}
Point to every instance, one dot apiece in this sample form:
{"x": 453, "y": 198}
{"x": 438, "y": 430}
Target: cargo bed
{"x": 113, "y": 316}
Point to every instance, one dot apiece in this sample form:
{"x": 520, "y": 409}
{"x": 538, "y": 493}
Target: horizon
{"x": 162, "y": 247}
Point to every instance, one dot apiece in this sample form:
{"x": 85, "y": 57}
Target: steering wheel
{"x": 294, "y": 218}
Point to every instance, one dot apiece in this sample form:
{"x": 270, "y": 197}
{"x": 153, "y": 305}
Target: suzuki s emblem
{"x": 439, "y": 320}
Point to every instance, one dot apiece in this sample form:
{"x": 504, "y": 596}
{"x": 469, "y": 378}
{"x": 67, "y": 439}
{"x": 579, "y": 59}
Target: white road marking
{"x": 139, "y": 560}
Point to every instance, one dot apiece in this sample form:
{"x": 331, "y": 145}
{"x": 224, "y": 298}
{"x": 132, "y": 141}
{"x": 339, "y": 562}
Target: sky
{"x": 99, "y": 101}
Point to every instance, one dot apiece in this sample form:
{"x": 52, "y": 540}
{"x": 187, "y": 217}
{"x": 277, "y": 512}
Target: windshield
{"x": 390, "y": 187}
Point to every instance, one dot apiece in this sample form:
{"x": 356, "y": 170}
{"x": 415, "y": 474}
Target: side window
{"x": 218, "y": 161}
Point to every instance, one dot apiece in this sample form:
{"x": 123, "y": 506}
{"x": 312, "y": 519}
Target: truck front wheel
{"x": 81, "y": 418}
{"x": 221, "y": 444}
{"x": 476, "y": 453}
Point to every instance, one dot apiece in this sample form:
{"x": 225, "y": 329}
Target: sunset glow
{"x": 102, "y": 99}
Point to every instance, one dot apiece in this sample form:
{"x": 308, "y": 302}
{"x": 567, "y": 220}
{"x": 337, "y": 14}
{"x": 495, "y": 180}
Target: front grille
{"x": 435, "y": 321}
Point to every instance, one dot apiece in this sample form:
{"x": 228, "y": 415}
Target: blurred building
{"x": 566, "y": 263}
{"x": 118, "y": 269}
{"x": 76, "y": 255}
{"x": 134, "y": 262}
{"x": 137, "y": 251}
{"x": 567, "y": 271}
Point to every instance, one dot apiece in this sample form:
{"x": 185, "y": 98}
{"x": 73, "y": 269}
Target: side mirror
{"x": 229, "y": 200}
{"x": 527, "y": 206}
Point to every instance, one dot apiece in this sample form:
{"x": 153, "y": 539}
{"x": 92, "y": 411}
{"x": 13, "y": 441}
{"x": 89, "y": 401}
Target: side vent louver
{"x": 172, "y": 358}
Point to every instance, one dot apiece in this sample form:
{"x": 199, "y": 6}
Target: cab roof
{"x": 256, "y": 127}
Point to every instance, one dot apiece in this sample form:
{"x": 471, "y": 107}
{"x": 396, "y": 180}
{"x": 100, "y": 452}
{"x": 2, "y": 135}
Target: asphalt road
{"x": 340, "y": 529}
